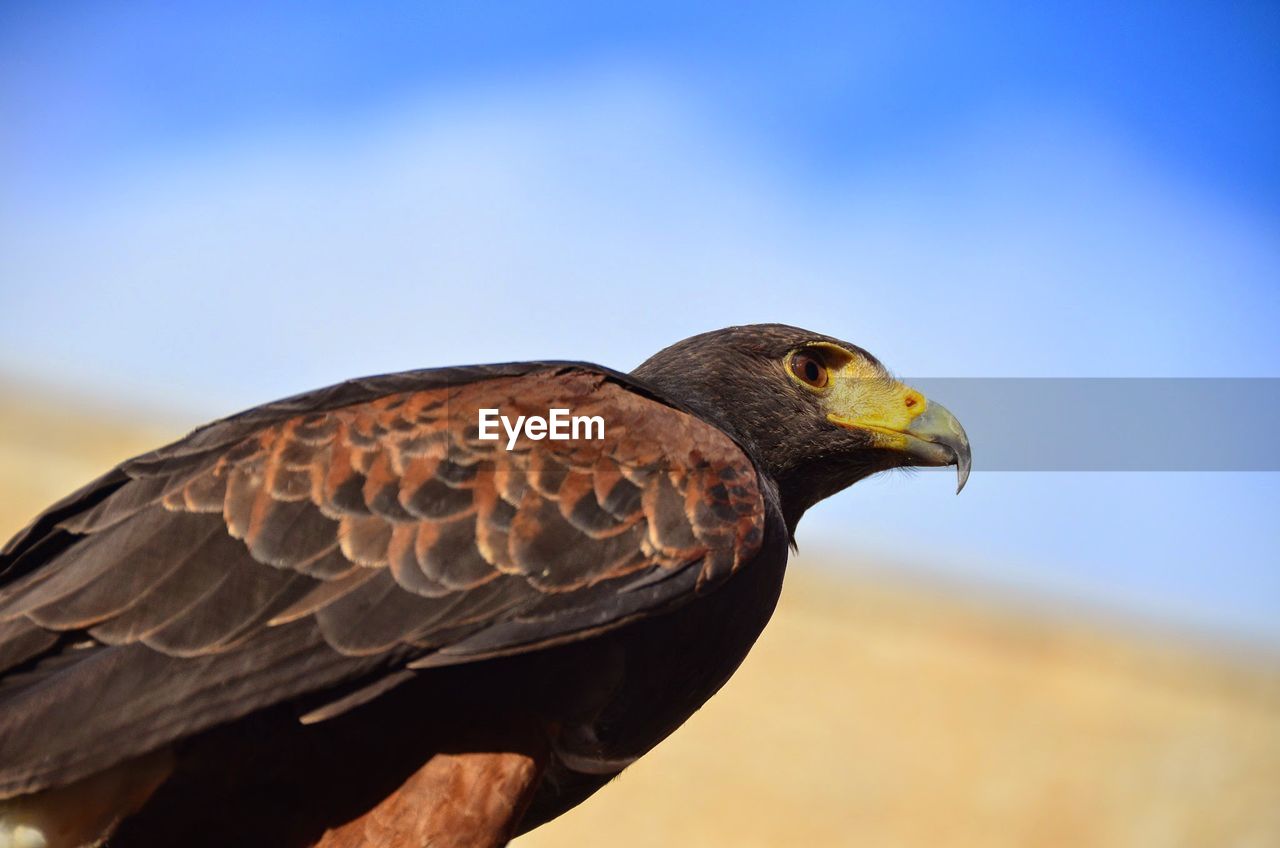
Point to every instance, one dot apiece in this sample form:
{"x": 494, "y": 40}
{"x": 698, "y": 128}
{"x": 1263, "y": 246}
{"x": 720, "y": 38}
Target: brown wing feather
{"x": 309, "y": 543}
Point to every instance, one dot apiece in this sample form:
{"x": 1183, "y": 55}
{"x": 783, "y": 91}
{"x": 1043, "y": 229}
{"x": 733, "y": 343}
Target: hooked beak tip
{"x": 964, "y": 463}
{"x": 937, "y": 426}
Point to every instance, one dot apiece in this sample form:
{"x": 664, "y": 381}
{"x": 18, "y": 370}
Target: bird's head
{"x": 816, "y": 414}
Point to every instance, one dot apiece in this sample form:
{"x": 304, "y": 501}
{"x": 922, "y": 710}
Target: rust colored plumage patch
{"x": 402, "y": 484}
{"x": 286, "y": 550}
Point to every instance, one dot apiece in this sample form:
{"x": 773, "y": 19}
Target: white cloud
{"x": 600, "y": 217}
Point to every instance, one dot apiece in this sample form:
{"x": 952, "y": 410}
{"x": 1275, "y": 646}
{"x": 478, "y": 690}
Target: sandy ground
{"x": 882, "y": 711}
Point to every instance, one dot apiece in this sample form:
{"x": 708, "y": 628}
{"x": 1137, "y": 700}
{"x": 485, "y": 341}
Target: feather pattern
{"x": 301, "y": 545}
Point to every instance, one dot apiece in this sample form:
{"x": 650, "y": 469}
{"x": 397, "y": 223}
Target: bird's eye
{"x": 809, "y": 369}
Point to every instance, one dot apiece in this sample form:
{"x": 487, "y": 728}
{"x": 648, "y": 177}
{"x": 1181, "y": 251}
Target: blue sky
{"x": 204, "y": 206}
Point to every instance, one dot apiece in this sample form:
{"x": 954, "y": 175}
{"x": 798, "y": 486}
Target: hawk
{"x": 352, "y": 618}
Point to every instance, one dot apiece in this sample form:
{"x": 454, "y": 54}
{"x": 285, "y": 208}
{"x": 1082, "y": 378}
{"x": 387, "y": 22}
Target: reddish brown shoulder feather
{"x": 384, "y": 525}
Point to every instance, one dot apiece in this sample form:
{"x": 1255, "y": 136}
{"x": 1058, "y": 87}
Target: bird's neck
{"x": 801, "y": 488}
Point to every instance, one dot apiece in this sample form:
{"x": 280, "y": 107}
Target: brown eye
{"x": 809, "y": 369}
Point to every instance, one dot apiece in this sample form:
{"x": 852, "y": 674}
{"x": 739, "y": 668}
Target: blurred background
{"x": 204, "y": 206}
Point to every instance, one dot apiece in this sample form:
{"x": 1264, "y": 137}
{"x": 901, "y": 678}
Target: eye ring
{"x": 809, "y": 369}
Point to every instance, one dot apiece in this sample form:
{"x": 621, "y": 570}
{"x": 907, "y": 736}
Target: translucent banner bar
{"x": 1115, "y": 424}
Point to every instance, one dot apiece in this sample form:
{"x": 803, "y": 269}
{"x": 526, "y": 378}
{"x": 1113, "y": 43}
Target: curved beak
{"x": 936, "y": 438}
{"x": 901, "y": 420}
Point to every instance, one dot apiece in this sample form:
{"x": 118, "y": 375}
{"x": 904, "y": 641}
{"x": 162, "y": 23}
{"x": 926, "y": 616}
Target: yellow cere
{"x": 861, "y": 395}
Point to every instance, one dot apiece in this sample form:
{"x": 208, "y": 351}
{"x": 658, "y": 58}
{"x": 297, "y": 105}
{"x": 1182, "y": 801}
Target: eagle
{"x": 353, "y": 617}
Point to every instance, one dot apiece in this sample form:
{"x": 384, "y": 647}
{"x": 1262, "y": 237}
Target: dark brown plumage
{"x": 285, "y": 618}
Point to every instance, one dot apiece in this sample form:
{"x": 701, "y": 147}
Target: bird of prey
{"x": 354, "y": 618}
